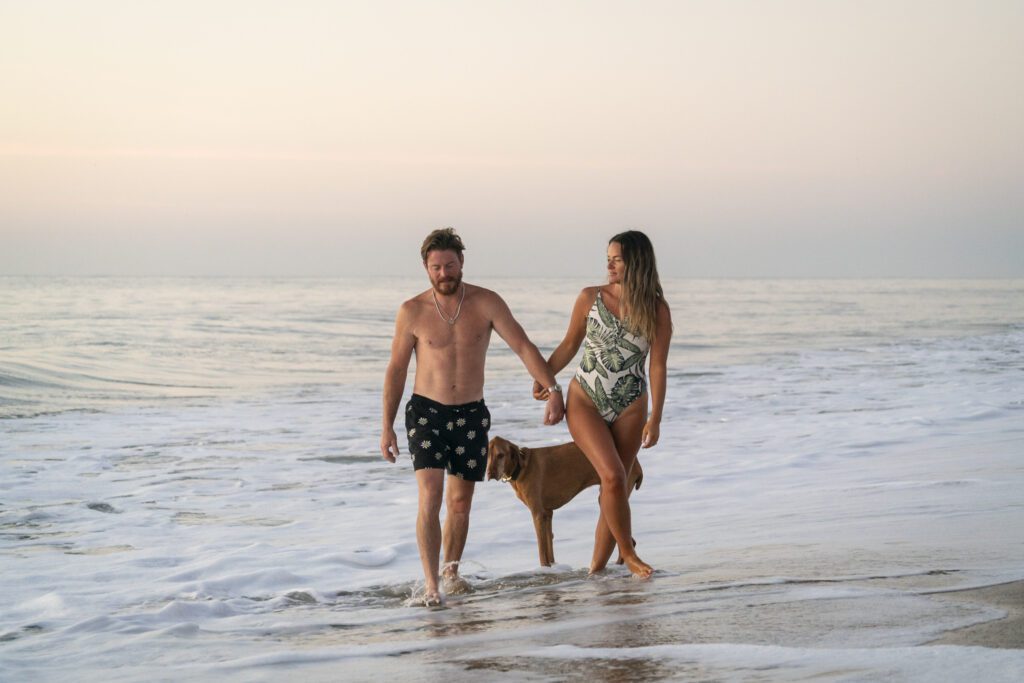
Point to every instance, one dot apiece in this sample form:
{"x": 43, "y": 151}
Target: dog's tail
{"x": 639, "y": 480}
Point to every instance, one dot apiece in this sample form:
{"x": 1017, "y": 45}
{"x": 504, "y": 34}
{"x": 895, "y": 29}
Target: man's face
{"x": 445, "y": 271}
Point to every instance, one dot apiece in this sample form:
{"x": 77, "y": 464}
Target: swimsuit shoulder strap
{"x": 594, "y": 309}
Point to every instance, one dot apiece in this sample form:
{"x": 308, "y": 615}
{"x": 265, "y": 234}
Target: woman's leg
{"x": 594, "y": 438}
{"x": 626, "y": 433}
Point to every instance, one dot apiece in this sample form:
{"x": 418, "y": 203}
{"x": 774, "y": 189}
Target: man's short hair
{"x": 442, "y": 239}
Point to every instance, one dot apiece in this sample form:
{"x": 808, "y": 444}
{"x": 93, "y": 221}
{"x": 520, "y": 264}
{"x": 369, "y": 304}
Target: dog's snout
{"x": 497, "y": 458}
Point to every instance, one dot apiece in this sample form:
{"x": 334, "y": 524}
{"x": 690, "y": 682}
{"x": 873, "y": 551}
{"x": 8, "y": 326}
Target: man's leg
{"x": 459, "y": 499}
{"x": 430, "y": 482}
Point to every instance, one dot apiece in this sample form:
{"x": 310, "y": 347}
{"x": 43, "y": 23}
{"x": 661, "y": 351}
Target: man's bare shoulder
{"x": 481, "y": 294}
{"x": 413, "y": 307}
{"x": 486, "y": 302}
{"x": 416, "y": 301}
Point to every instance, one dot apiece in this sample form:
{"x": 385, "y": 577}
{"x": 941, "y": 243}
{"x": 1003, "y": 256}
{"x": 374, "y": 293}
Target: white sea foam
{"x": 810, "y": 502}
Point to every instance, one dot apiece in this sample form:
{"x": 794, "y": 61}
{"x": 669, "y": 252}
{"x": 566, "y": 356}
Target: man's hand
{"x": 554, "y": 411}
{"x": 389, "y": 445}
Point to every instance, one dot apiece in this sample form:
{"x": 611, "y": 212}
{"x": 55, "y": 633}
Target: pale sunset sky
{"x": 748, "y": 139}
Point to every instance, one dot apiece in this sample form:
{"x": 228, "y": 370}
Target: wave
{"x": 31, "y": 389}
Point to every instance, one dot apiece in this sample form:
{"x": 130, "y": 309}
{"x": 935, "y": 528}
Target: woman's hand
{"x": 652, "y": 432}
{"x": 539, "y": 392}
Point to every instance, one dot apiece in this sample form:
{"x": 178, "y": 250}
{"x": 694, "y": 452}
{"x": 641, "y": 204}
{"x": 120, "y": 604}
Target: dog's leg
{"x": 542, "y": 525}
{"x": 549, "y": 537}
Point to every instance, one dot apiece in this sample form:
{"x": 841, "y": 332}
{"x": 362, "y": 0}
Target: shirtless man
{"x": 449, "y": 327}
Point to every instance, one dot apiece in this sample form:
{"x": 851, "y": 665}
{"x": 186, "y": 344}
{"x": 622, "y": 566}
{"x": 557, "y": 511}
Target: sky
{"x": 747, "y": 139}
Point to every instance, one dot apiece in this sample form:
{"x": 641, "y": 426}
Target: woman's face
{"x": 616, "y": 266}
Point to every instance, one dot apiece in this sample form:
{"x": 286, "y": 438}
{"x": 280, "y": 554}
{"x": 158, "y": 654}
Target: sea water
{"x": 191, "y": 488}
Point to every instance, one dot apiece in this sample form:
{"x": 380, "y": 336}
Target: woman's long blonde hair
{"x": 641, "y": 287}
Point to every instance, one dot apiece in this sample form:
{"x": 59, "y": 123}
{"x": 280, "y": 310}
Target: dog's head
{"x": 503, "y": 459}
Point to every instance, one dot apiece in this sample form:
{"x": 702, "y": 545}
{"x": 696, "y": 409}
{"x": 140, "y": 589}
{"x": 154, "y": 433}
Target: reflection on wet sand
{"x": 609, "y": 670}
{"x": 553, "y": 626}
{"x": 449, "y": 623}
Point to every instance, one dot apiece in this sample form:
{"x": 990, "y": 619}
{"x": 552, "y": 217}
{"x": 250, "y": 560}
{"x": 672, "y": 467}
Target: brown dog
{"x": 545, "y": 479}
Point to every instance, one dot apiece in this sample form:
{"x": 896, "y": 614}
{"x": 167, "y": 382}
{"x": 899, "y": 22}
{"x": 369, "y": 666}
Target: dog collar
{"x": 514, "y": 475}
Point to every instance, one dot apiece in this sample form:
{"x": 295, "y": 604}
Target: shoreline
{"x": 1005, "y": 633}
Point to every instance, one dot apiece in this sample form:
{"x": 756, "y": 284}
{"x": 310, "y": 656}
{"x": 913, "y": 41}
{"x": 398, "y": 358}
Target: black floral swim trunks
{"x": 448, "y": 437}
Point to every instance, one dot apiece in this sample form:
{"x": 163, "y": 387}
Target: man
{"x": 449, "y": 327}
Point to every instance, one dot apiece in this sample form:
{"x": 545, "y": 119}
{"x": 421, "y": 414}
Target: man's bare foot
{"x": 456, "y": 585}
{"x": 433, "y": 599}
{"x": 452, "y": 582}
{"x": 638, "y": 567}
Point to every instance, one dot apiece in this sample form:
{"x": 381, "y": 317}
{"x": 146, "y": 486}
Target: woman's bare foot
{"x": 638, "y": 567}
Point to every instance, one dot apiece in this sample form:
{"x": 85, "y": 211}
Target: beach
{"x": 224, "y": 226}
{"x": 1007, "y": 632}
{"x": 191, "y": 488}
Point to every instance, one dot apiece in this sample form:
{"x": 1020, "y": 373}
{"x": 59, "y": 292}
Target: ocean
{"x": 191, "y": 488}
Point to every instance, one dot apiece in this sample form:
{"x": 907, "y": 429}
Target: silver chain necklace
{"x": 458, "y": 311}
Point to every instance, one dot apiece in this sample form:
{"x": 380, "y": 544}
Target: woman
{"x": 620, "y": 324}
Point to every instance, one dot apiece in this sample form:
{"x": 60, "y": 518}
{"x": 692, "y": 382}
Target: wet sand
{"x": 1007, "y": 632}
{"x": 566, "y": 626}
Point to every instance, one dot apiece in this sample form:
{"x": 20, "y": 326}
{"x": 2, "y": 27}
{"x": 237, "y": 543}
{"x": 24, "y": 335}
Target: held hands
{"x": 389, "y": 445}
{"x": 539, "y": 391}
{"x": 554, "y": 411}
{"x": 651, "y": 434}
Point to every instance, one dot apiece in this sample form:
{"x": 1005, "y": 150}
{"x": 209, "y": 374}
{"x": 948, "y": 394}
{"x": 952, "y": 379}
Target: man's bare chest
{"x": 466, "y": 335}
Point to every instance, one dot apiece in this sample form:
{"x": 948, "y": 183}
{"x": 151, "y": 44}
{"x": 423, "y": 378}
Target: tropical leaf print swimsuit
{"x": 612, "y": 370}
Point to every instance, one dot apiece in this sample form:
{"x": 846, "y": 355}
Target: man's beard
{"x": 449, "y": 286}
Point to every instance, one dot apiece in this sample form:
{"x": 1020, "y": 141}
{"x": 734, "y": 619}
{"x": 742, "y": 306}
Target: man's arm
{"x": 509, "y": 329}
{"x": 394, "y": 379}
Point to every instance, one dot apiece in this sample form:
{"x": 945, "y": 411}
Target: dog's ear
{"x": 519, "y": 457}
{"x": 495, "y": 452}
{"x": 502, "y": 456}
